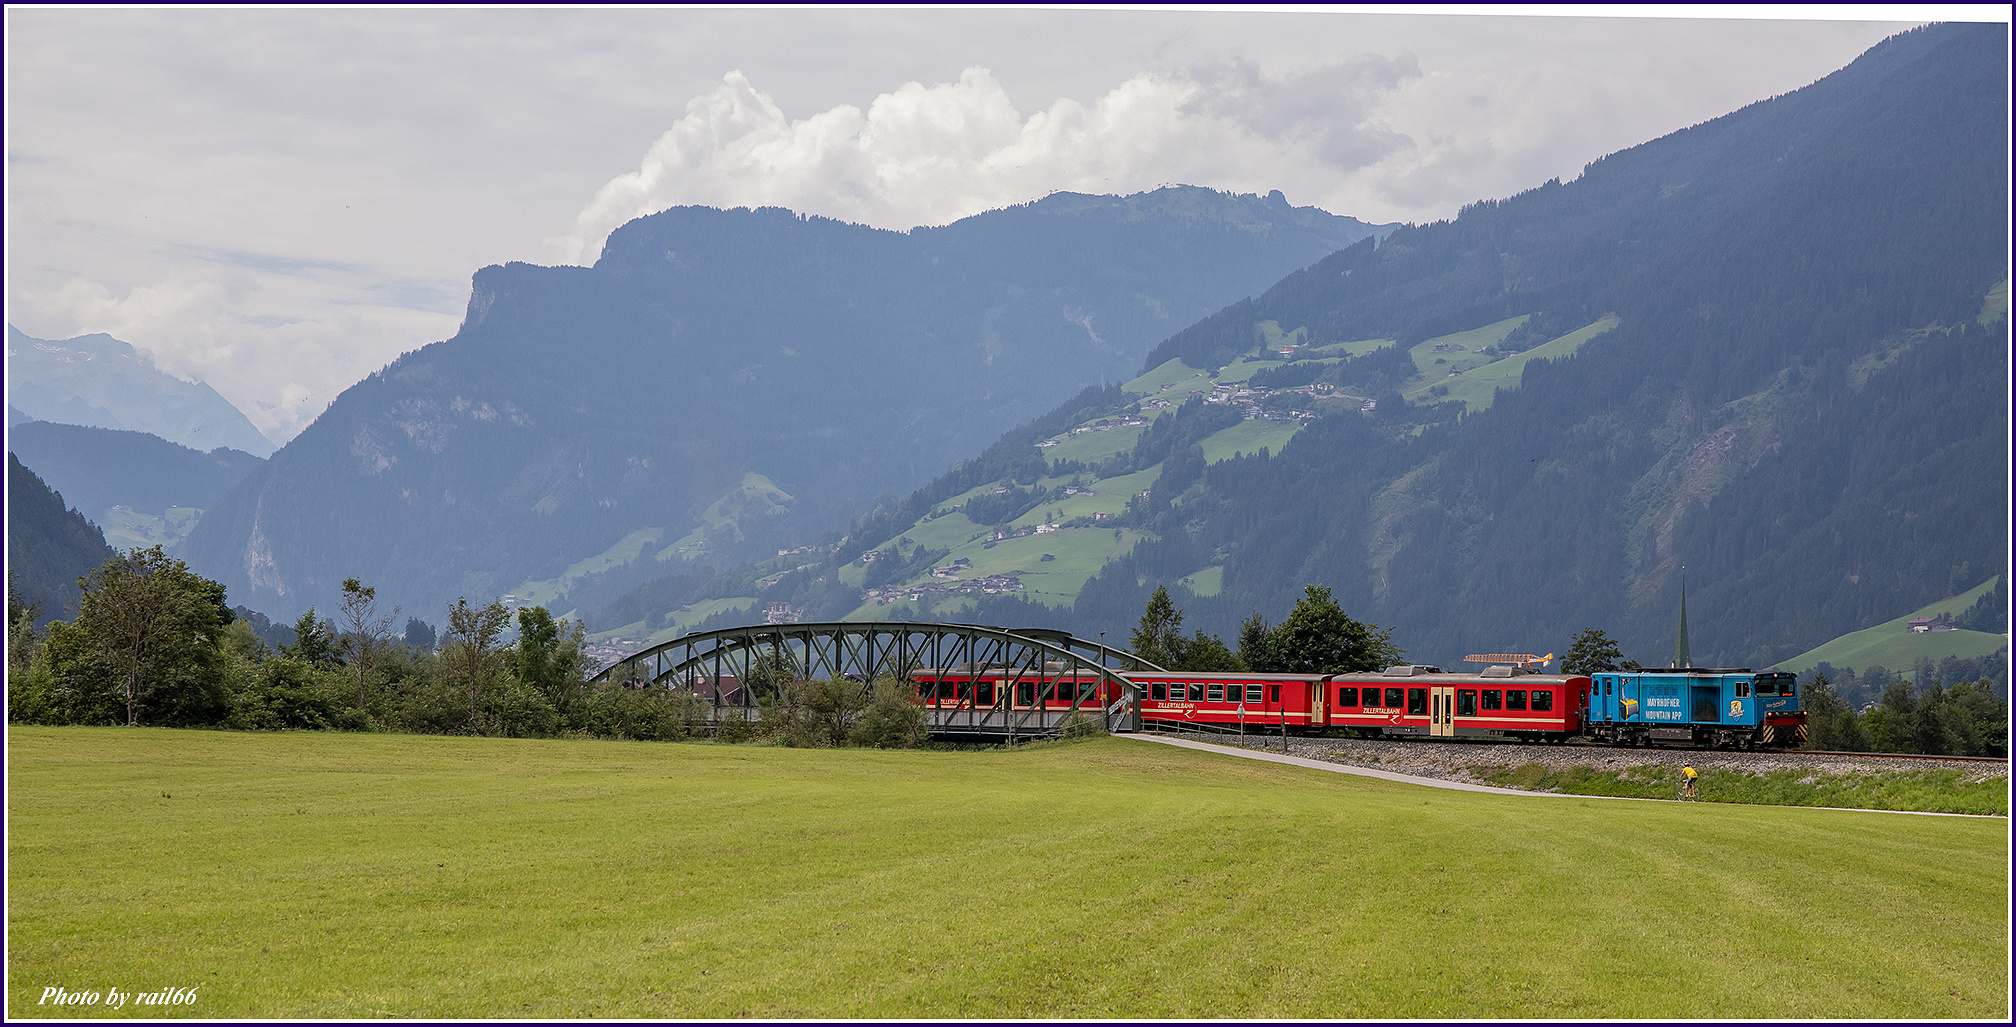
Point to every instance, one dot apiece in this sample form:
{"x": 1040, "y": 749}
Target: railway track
{"x": 1902, "y": 756}
{"x": 1793, "y": 752}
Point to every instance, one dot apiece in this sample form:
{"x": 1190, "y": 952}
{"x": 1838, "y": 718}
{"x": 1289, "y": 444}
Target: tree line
{"x": 1316, "y": 638}
{"x": 155, "y": 644}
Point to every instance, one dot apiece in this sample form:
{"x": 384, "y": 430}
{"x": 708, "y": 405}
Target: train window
{"x": 1274, "y": 693}
{"x": 1466, "y": 702}
{"x": 986, "y": 694}
{"x": 1347, "y": 697}
{"x": 1253, "y": 693}
{"x": 945, "y": 689}
{"x": 1742, "y": 689}
{"x": 1158, "y": 691}
{"x": 1392, "y": 698}
{"x": 1217, "y": 693}
{"x": 1494, "y": 699}
{"x": 1515, "y": 698}
{"x": 1025, "y": 693}
{"x": 1542, "y": 701}
{"x": 1417, "y": 701}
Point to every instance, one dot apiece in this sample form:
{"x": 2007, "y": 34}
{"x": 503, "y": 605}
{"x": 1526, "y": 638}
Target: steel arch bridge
{"x": 734, "y": 669}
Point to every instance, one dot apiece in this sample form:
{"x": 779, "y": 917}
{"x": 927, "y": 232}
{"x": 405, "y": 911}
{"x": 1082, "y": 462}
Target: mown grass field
{"x": 323, "y": 875}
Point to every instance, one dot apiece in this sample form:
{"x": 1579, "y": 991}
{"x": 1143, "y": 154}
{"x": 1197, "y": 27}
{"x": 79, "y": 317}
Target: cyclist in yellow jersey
{"x": 1687, "y": 789}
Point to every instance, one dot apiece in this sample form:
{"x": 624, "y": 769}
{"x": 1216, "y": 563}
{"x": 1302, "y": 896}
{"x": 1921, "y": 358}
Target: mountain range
{"x": 1769, "y": 352}
{"x": 721, "y": 383}
{"x": 99, "y": 381}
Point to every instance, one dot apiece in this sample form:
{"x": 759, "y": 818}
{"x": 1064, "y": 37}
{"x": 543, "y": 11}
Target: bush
{"x": 893, "y": 718}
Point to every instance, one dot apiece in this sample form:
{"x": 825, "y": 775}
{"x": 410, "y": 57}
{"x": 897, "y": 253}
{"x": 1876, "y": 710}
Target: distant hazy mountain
{"x": 141, "y": 489}
{"x": 49, "y": 546}
{"x": 723, "y": 381}
{"x": 1773, "y": 347}
{"x": 97, "y": 380}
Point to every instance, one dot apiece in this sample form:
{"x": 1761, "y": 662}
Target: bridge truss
{"x": 736, "y": 669}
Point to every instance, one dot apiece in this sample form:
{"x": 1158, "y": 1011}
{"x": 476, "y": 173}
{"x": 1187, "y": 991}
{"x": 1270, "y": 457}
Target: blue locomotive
{"x": 1732, "y": 709}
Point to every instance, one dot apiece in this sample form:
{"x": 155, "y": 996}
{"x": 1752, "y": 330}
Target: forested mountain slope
{"x": 49, "y": 545}
{"x": 723, "y": 382}
{"x": 1772, "y": 347}
{"x": 142, "y": 489}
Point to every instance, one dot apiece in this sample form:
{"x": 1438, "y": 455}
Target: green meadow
{"x": 326, "y": 875}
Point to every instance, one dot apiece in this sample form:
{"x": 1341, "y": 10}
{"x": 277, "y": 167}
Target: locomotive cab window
{"x": 1494, "y": 699}
{"x": 1515, "y": 698}
{"x": 1466, "y": 702}
{"x": 1347, "y": 697}
{"x": 1742, "y": 689}
{"x": 1542, "y": 701}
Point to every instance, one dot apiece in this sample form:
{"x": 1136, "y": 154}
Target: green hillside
{"x": 1892, "y": 644}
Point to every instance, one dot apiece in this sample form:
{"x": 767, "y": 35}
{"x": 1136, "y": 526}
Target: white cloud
{"x": 925, "y": 155}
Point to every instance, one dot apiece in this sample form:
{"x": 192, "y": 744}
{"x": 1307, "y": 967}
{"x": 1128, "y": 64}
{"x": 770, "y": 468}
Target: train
{"x": 1732, "y": 708}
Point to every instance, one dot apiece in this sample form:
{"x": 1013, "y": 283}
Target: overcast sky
{"x": 280, "y": 201}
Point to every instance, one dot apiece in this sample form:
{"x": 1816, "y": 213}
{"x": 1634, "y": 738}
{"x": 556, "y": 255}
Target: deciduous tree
{"x": 366, "y": 631}
{"x": 1318, "y": 638}
{"x": 154, "y": 626}
{"x": 1593, "y": 653}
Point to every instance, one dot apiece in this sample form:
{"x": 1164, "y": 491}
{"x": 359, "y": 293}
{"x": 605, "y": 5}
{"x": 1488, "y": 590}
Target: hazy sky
{"x": 280, "y": 201}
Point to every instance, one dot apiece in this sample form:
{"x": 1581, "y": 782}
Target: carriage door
{"x": 1442, "y": 711}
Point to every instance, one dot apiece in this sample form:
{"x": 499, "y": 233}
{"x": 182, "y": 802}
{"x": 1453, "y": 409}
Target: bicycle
{"x": 1689, "y": 791}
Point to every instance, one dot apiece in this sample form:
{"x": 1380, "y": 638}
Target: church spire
{"x": 1681, "y": 657}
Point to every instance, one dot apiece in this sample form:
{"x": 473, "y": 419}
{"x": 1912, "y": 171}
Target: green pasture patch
{"x": 1477, "y": 387}
{"x": 1206, "y": 582}
{"x": 1170, "y": 372}
{"x": 307, "y": 875}
{"x": 945, "y": 531}
{"x": 1356, "y": 348}
{"x": 1473, "y": 340}
{"x": 1079, "y": 552}
{"x": 127, "y": 528}
{"x": 1091, "y": 447}
{"x": 1110, "y": 496}
{"x": 1892, "y": 644}
{"x": 1928, "y": 790}
{"x": 1249, "y": 437}
{"x": 677, "y": 622}
{"x": 1244, "y": 368}
{"x": 551, "y": 590}
{"x": 1274, "y": 340}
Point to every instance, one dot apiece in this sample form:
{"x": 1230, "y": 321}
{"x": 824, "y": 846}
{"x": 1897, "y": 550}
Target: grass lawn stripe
{"x": 324, "y": 875}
